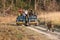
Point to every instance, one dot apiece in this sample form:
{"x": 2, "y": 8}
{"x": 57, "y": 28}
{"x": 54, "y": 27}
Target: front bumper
{"x": 32, "y": 23}
{"x": 20, "y": 22}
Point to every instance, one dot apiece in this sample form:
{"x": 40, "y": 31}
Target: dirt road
{"x": 52, "y": 35}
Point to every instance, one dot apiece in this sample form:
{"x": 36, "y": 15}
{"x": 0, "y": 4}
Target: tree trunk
{"x": 3, "y": 2}
{"x": 35, "y": 4}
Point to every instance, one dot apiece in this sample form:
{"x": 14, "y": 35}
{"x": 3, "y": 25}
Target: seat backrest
{"x": 32, "y": 17}
{"x": 21, "y": 18}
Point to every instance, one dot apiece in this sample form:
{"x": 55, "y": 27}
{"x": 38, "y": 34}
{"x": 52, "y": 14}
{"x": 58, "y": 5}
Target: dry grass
{"x": 51, "y": 16}
{"x": 8, "y": 32}
{"x": 7, "y": 19}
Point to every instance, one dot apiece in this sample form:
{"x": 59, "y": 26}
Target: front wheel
{"x": 36, "y": 24}
{"x": 17, "y": 24}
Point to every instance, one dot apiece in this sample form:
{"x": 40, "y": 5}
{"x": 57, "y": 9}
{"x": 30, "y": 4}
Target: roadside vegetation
{"x": 53, "y": 17}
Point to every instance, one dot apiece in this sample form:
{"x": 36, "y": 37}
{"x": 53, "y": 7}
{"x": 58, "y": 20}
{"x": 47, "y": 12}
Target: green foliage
{"x": 26, "y": 4}
{"x": 47, "y": 2}
{"x": 8, "y": 3}
{"x": 1, "y": 4}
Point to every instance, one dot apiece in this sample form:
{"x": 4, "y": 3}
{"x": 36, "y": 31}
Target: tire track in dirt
{"x": 51, "y": 35}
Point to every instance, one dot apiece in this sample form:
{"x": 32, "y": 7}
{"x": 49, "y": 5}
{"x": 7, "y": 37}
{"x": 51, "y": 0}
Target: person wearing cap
{"x": 20, "y": 11}
{"x": 31, "y": 12}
